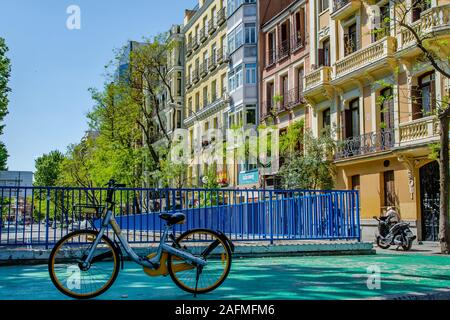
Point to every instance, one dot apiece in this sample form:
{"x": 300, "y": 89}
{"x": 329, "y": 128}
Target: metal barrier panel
{"x": 40, "y": 216}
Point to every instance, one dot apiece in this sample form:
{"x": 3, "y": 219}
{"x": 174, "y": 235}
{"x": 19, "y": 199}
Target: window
{"x": 239, "y": 38}
{"x": 251, "y": 114}
{"x": 250, "y": 33}
{"x": 387, "y": 109}
{"x": 389, "y": 188}
{"x": 231, "y": 42}
{"x": 250, "y": 73}
{"x": 326, "y": 118}
{"x": 179, "y": 84}
{"x": 214, "y": 91}
{"x": 190, "y": 106}
{"x": 350, "y": 40}
{"x": 324, "y": 54}
{"x": 353, "y": 121}
{"x": 418, "y": 8}
{"x": 235, "y": 78}
{"x": 323, "y": 5}
{"x": 427, "y": 94}
{"x": 205, "y": 97}
{"x": 356, "y": 182}
{"x": 178, "y": 119}
{"x": 383, "y": 29}
{"x": 197, "y": 102}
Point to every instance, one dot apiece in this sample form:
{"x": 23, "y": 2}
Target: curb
{"x": 10, "y": 257}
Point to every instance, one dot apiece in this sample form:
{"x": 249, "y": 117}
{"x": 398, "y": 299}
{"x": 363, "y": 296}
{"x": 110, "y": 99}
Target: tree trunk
{"x": 444, "y": 227}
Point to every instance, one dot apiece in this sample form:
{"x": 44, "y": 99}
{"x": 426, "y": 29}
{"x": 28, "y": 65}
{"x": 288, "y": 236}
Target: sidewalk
{"x": 17, "y": 256}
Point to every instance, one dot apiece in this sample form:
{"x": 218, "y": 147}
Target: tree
{"x": 5, "y": 71}
{"x": 48, "y": 169}
{"x": 310, "y": 168}
{"x": 433, "y": 51}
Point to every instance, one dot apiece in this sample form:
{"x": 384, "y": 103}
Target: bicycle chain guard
{"x": 162, "y": 270}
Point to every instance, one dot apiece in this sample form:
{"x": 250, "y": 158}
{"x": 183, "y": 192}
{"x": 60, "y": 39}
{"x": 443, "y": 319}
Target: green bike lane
{"x": 308, "y": 277}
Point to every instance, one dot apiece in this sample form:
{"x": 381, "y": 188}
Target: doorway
{"x": 429, "y": 199}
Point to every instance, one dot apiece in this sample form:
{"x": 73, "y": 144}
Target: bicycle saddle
{"x": 173, "y": 218}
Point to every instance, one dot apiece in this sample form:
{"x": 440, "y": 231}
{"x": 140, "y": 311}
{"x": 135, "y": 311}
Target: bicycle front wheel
{"x": 83, "y": 282}
{"x": 207, "y": 245}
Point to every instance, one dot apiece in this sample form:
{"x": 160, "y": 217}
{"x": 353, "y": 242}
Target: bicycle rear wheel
{"x": 74, "y": 280}
{"x": 205, "y": 244}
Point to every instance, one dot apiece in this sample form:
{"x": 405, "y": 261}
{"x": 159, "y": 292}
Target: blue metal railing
{"x": 40, "y": 216}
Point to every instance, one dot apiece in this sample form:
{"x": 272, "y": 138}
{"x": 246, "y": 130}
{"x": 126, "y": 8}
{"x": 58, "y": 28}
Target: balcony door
{"x": 351, "y": 40}
{"x": 387, "y": 109}
{"x": 352, "y": 127}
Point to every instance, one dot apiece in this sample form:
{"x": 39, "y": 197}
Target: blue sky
{"x": 52, "y": 66}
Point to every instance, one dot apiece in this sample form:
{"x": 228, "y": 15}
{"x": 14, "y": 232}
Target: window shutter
{"x": 302, "y": 26}
{"x": 343, "y": 132}
{"x": 320, "y": 54}
{"x": 416, "y": 108}
{"x": 348, "y": 123}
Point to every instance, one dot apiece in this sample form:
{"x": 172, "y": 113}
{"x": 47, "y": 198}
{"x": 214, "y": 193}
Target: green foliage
{"x": 3, "y": 157}
{"x": 314, "y": 168}
{"x": 292, "y": 138}
{"x": 5, "y": 72}
{"x": 48, "y": 169}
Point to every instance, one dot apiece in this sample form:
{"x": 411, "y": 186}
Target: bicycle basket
{"x": 88, "y": 212}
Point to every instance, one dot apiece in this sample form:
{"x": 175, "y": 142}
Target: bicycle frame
{"x": 147, "y": 263}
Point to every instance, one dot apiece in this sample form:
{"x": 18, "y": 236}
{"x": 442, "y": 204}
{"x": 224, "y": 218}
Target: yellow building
{"x": 377, "y": 94}
{"x": 205, "y": 80}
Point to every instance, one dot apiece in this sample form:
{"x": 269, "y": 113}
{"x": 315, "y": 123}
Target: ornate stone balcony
{"x": 203, "y": 34}
{"x": 212, "y": 26}
{"x": 419, "y": 131}
{"x": 374, "y": 56}
{"x": 221, "y": 17}
{"x": 316, "y": 80}
{"x": 434, "y": 21}
{"x": 343, "y": 8}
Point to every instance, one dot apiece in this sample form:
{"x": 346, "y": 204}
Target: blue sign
{"x": 249, "y": 177}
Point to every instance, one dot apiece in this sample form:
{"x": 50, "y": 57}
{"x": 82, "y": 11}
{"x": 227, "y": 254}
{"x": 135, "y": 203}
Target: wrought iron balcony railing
{"x": 367, "y": 143}
{"x": 271, "y": 57}
{"x": 297, "y": 42}
{"x": 284, "y": 49}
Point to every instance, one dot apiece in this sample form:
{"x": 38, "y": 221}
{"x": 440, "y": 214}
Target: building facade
{"x": 206, "y": 98}
{"x": 242, "y": 40}
{"x": 369, "y": 84}
{"x": 284, "y": 57}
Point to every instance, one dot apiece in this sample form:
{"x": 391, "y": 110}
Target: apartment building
{"x": 242, "y": 39}
{"x": 206, "y": 98}
{"x": 171, "y": 98}
{"x": 383, "y": 143}
{"x": 284, "y": 58}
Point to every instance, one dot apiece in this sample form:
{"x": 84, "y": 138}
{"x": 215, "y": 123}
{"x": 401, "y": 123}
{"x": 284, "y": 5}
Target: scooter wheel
{"x": 408, "y": 246}
{"x": 381, "y": 245}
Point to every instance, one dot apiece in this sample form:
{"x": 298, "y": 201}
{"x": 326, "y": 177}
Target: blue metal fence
{"x": 40, "y": 216}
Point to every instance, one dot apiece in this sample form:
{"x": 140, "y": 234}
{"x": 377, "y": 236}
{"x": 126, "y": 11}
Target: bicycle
{"x": 85, "y": 263}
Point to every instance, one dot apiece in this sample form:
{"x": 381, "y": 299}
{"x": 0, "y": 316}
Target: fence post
{"x": 271, "y": 216}
{"x": 47, "y": 213}
{"x": 358, "y": 221}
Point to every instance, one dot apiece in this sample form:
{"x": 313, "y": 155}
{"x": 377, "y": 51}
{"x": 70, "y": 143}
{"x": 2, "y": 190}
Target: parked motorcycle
{"x": 393, "y": 232}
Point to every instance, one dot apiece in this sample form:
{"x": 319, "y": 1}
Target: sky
{"x": 54, "y": 66}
